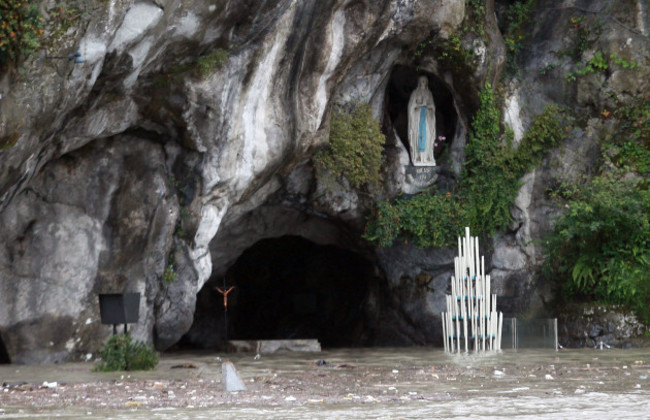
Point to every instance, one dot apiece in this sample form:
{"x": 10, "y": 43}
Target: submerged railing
{"x": 538, "y": 333}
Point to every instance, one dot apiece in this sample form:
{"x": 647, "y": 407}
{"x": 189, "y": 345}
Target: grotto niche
{"x": 403, "y": 81}
{"x": 289, "y": 288}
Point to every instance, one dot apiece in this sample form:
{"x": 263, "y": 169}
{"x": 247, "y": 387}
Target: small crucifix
{"x": 225, "y": 292}
{"x": 225, "y": 295}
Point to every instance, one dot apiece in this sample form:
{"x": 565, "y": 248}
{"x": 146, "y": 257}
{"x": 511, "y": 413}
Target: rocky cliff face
{"x": 187, "y": 135}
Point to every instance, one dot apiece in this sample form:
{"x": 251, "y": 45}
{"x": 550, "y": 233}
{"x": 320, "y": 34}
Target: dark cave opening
{"x": 289, "y": 288}
{"x": 403, "y": 80}
{"x": 4, "y": 355}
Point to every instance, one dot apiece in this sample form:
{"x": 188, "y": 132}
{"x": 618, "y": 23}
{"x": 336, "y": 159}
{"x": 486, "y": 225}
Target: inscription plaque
{"x": 421, "y": 176}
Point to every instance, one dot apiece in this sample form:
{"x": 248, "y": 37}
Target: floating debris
{"x": 187, "y": 365}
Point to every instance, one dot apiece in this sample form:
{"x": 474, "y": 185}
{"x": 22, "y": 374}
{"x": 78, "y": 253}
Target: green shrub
{"x": 517, "y": 16}
{"x": 599, "y": 248}
{"x": 200, "y": 68}
{"x": 476, "y": 12}
{"x": 426, "y": 220}
{"x": 121, "y": 353}
{"x": 450, "y": 54}
{"x": 632, "y": 155}
{"x": 631, "y": 142}
{"x": 581, "y": 37}
{"x": 453, "y": 55}
{"x": 484, "y": 195}
{"x": 355, "y": 147}
{"x": 169, "y": 276}
{"x": 20, "y": 30}
{"x": 600, "y": 63}
{"x": 208, "y": 64}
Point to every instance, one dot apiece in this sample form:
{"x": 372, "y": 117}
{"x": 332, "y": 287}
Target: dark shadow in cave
{"x": 4, "y": 356}
{"x": 403, "y": 80}
{"x": 288, "y": 288}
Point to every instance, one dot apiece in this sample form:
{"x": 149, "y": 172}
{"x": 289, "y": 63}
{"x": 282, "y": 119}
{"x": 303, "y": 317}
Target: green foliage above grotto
{"x": 21, "y": 27}
{"x": 210, "y": 63}
{"x": 476, "y": 15}
{"x": 355, "y": 147}
{"x": 517, "y": 16}
{"x": 200, "y": 68}
{"x": 489, "y": 184}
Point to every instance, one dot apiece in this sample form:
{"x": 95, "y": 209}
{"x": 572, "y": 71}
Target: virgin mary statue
{"x": 422, "y": 124}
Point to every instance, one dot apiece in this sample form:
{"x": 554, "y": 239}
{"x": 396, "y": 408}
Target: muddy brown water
{"x": 386, "y": 383}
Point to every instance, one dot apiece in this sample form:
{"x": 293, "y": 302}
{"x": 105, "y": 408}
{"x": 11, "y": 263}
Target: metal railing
{"x": 530, "y": 333}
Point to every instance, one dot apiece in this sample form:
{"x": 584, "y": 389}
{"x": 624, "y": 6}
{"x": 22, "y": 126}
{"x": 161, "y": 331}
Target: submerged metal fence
{"x": 530, "y": 333}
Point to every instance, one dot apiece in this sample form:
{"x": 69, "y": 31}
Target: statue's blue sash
{"x": 422, "y": 131}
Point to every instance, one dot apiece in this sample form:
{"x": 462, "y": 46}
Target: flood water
{"x": 525, "y": 384}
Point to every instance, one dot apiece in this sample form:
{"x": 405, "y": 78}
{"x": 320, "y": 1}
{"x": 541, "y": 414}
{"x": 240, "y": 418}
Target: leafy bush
{"x": 517, "y": 16}
{"x": 581, "y": 39}
{"x": 121, "y": 353}
{"x": 476, "y": 12}
{"x": 631, "y": 143}
{"x": 453, "y": 55}
{"x": 208, "y": 64}
{"x": 450, "y": 54}
{"x": 20, "y": 30}
{"x": 169, "y": 276}
{"x": 599, "y": 249}
{"x": 600, "y": 63}
{"x": 486, "y": 191}
{"x": 355, "y": 146}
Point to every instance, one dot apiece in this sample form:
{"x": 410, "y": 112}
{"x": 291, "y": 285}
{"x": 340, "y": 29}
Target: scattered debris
{"x": 186, "y": 365}
{"x": 345, "y": 366}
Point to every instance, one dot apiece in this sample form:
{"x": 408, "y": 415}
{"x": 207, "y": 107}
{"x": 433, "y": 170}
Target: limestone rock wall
{"x": 118, "y": 168}
{"x": 98, "y": 220}
{"x": 133, "y": 172}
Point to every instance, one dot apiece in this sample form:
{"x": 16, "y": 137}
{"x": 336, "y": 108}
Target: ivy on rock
{"x": 355, "y": 146}
{"x": 489, "y": 185}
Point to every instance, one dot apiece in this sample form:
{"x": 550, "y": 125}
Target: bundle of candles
{"x": 471, "y": 316}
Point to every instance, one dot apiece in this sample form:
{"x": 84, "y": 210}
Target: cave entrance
{"x": 403, "y": 81}
{"x": 289, "y": 288}
{"x": 4, "y": 355}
